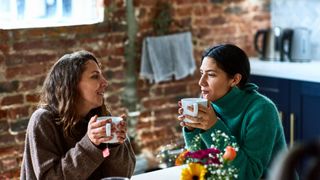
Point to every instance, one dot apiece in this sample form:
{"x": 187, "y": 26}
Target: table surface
{"x": 170, "y": 173}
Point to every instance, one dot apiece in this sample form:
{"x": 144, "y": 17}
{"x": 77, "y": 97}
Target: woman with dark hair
{"x": 64, "y": 140}
{"x": 238, "y": 110}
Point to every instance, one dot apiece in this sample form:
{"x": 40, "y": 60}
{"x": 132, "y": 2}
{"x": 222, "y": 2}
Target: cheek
{"x": 218, "y": 89}
{"x": 85, "y": 89}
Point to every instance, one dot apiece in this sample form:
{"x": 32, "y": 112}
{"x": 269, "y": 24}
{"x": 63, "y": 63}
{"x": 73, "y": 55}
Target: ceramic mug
{"x": 195, "y": 102}
{"x": 116, "y": 120}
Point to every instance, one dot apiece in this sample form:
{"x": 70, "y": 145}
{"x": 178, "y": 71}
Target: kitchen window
{"x": 16, "y": 14}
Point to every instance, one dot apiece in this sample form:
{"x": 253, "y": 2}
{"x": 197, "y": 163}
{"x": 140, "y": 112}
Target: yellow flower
{"x": 193, "y": 171}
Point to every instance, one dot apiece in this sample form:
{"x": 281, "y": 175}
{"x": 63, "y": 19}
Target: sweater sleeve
{"x": 189, "y": 137}
{"x": 120, "y": 162}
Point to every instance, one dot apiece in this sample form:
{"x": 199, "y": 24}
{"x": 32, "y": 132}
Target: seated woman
{"x": 64, "y": 140}
{"x": 236, "y": 109}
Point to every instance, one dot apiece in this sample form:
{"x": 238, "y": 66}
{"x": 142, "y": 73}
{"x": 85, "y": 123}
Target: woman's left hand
{"x": 205, "y": 119}
{"x": 121, "y": 129}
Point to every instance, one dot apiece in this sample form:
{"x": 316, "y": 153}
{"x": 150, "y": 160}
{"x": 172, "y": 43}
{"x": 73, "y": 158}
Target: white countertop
{"x": 305, "y": 71}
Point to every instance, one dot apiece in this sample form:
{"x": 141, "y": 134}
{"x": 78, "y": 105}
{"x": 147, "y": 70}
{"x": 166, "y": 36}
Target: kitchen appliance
{"x": 267, "y": 43}
{"x": 296, "y": 45}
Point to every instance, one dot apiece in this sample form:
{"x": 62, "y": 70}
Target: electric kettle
{"x": 267, "y": 43}
{"x": 296, "y": 45}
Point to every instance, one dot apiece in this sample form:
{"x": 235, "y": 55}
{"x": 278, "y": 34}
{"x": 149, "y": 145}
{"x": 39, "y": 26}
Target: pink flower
{"x": 206, "y": 156}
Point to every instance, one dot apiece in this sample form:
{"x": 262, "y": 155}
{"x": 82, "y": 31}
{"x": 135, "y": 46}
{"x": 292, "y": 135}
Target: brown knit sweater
{"x": 48, "y": 154}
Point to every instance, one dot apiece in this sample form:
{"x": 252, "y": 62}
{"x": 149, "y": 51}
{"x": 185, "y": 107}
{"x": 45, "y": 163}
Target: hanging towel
{"x": 167, "y": 56}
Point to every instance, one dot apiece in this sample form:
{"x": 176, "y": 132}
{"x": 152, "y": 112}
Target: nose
{"x": 104, "y": 82}
{"x": 202, "y": 81}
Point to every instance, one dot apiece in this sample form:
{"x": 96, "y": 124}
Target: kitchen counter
{"x": 304, "y": 71}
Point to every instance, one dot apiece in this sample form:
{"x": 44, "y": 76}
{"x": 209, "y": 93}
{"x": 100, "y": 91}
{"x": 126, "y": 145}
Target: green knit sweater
{"x": 253, "y": 121}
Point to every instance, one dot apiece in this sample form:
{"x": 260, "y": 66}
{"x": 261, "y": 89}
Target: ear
{"x": 236, "y": 79}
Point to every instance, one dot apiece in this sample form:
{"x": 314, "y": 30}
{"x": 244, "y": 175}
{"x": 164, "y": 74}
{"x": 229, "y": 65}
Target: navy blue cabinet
{"x": 298, "y": 103}
{"x": 305, "y": 106}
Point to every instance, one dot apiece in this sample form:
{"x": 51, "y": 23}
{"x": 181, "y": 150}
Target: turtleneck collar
{"x": 233, "y": 102}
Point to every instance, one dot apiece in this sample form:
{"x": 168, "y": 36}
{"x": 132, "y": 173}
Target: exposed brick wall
{"x": 27, "y": 54}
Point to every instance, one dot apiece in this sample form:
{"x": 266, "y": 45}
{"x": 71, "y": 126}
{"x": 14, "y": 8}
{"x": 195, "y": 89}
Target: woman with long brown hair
{"x": 64, "y": 140}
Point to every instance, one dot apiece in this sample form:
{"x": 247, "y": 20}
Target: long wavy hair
{"x": 60, "y": 89}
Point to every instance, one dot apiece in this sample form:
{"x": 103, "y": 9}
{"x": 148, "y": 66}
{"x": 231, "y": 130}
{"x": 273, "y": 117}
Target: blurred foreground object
{"x": 305, "y": 155}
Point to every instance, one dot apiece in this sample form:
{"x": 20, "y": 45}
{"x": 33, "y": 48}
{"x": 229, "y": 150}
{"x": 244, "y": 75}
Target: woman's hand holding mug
{"x": 196, "y": 113}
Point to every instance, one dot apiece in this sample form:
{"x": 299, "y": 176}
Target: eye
{"x": 96, "y": 76}
{"x": 212, "y": 74}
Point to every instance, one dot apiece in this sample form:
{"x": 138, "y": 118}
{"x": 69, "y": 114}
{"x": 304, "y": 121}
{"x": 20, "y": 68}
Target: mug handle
{"x": 195, "y": 109}
{"x": 108, "y": 129}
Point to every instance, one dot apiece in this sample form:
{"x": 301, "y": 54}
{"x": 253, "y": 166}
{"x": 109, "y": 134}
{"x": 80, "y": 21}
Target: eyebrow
{"x": 95, "y": 72}
{"x": 210, "y": 70}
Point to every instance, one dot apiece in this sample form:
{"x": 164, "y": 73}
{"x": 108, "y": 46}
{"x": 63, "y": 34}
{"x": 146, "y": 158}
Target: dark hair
{"x": 60, "y": 89}
{"x": 231, "y": 59}
{"x": 307, "y": 153}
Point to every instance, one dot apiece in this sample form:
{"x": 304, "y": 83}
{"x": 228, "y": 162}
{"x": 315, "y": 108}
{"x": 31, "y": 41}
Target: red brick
{"x": 44, "y": 44}
{"x": 167, "y": 122}
{"x": 145, "y": 113}
{"x": 26, "y": 70}
{"x": 114, "y": 62}
{"x": 11, "y": 175}
{"x": 17, "y": 59}
{"x": 143, "y": 125}
{"x": 31, "y": 84}
{"x": 9, "y": 163}
{"x": 154, "y": 103}
{"x": 218, "y": 20}
{"x": 144, "y": 3}
{"x": 175, "y": 89}
{"x": 183, "y": 11}
{"x": 33, "y": 98}
{"x": 6, "y": 140}
{"x": 11, "y": 100}
{"x": 3, "y": 113}
{"x": 167, "y": 111}
{"x": 18, "y": 112}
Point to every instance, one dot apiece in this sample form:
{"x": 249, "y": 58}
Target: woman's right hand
{"x": 97, "y": 130}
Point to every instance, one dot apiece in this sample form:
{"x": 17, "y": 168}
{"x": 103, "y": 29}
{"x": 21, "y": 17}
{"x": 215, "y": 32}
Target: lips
{"x": 205, "y": 93}
{"x": 100, "y": 93}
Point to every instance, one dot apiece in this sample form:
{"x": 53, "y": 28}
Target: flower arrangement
{"x": 211, "y": 163}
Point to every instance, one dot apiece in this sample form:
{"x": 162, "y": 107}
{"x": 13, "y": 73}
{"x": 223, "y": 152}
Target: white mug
{"x": 115, "y": 120}
{"x": 195, "y": 102}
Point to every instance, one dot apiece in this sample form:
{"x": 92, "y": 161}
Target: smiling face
{"x": 91, "y": 87}
{"x": 214, "y": 82}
